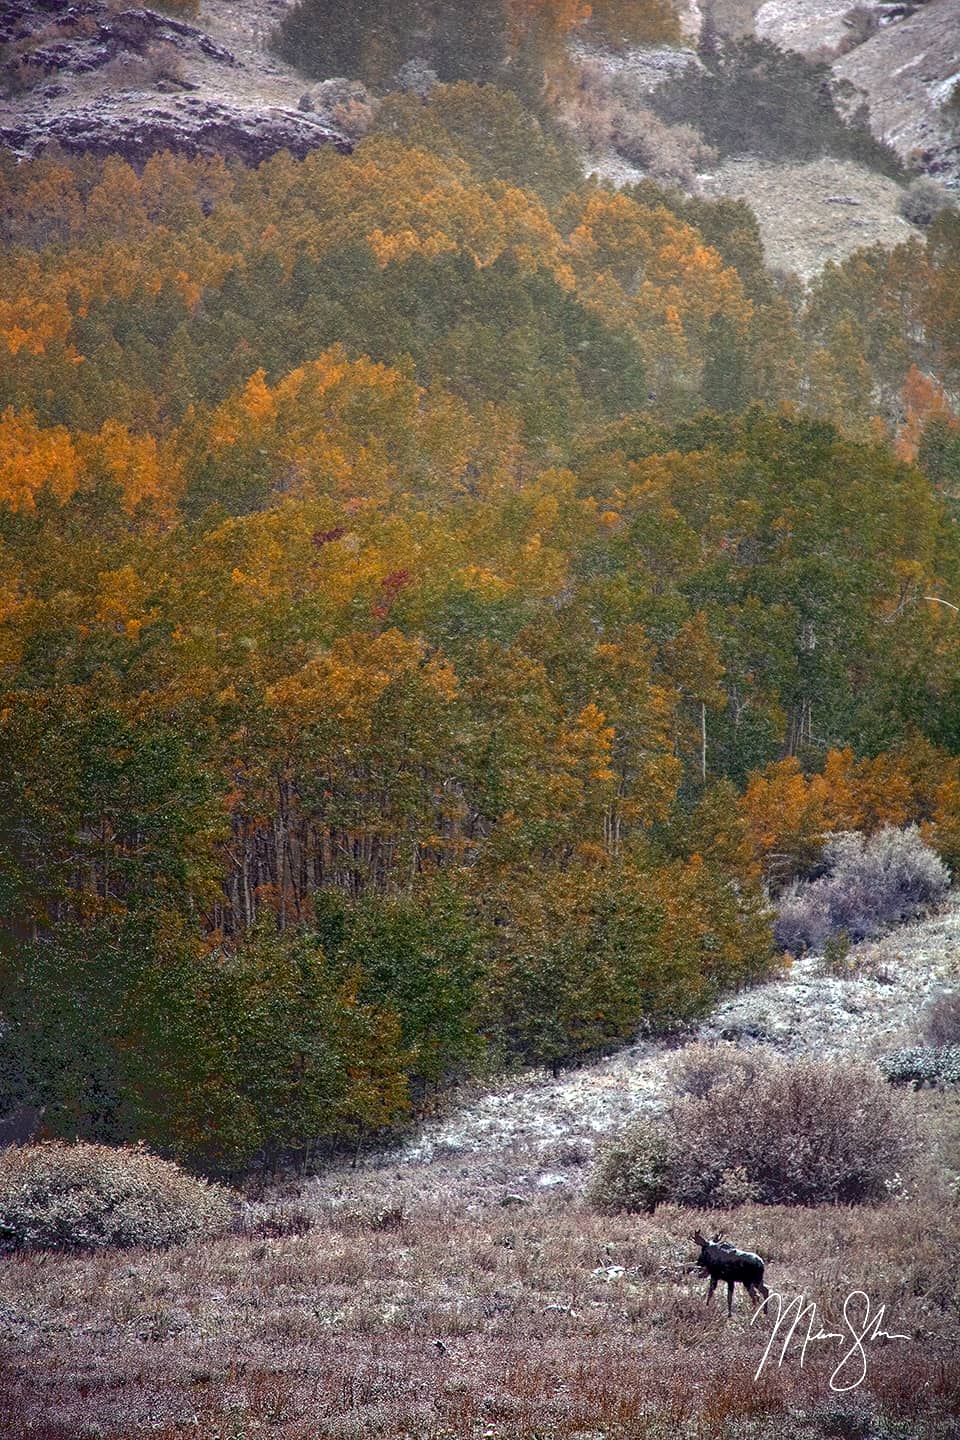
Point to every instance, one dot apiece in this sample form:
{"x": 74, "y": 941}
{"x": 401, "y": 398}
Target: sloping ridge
{"x": 519, "y": 1129}
{"x": 907, "y": 71}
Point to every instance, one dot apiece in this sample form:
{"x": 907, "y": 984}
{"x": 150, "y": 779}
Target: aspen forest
{"x": 442, "y": 597}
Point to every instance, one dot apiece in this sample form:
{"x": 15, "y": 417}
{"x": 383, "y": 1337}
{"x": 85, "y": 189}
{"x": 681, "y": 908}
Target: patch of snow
{"x": 802, "y": 25}
{"x": 614, "y": 168}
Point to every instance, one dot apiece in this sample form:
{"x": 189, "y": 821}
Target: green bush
{"x": 920, "y": 1065}
{"x": 372, "y": 39}
{"x": 63, "y": 1197}
{"x": 633, "y": 1171}
{"x": 754, "y": 99}
{"x": 773, "y": 1132}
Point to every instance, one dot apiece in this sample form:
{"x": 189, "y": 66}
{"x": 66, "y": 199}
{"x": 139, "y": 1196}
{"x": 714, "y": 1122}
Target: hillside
{"x": 904, "y": 60}
{"x": 479, "y": 624}
{"x": 100, "y": 79}
{"x": 538, "y": 1133}
{"x": 107, "y": 80}
{"x": 460, "y": 1288}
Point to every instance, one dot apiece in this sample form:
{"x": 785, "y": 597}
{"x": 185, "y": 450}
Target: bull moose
{"x": 723, "y": 1261}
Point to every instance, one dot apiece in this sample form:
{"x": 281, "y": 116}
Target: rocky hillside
{"x": 101, "y": 78}
{"x": 903, "y": 58}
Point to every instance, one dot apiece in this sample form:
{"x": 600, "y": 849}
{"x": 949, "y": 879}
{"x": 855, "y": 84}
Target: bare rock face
{"x": 99, "y": 80}
{"x": 188, "y": 126}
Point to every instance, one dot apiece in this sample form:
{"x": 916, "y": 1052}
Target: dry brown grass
{"x": 552, "y": 1322}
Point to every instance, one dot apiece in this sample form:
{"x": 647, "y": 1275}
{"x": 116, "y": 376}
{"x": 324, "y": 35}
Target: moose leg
{"x": 729, "y": 1297}
{"x": 711, "y": 1287}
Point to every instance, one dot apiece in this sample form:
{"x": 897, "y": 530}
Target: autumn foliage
{"x": 400, "y": 672}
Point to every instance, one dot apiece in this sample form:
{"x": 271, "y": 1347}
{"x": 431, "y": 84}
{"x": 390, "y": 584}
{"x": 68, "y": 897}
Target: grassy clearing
{"x": 551, "y": 1322}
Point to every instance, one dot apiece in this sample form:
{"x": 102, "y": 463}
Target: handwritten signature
{"x": 860, "y": 1330}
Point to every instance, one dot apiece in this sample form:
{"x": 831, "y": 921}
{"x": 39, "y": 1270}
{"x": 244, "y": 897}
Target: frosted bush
{"x": 56, "y": 1197}
{"x": 871, "y": 883}
{"x": 942, "y": 1019}
{"x": 668, "y": 152}
{"x": 922, "y": 1065}
{"x": 804, "y": 1132}
{"x": 923, "y": 200}
{"x": 631, "y": 1173}
{"x": 698, "y": 1068}
{"x": 803, "y": 919}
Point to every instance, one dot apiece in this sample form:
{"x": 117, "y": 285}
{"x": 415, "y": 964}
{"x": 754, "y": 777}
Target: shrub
{"x": 942, "y": 1019}
{"x": 160, "y": 64}
{"x": 836, "y": 949}
{"x": 870, "y": 884}
{"x": 632, "y": 1172}
{"x": 752, "y": 98}
{"x": 921, "y": 1065}
{"x": 60, "y": 1197}
{"x": 805, "y": 1132}
{"x": 803, "y": 920}
{"x": 374, "y": 39}
{"x": 699, "y": 1068}
{"x": 773, "y": 1132}
{"x": 179, "y": 8}
{"x": 923, "y": 200}
{"x": 669, "y": 152}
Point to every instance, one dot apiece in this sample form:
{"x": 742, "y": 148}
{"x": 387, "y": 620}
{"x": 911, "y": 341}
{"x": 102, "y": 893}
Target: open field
{"x": 460, "y": 1316}
{"x": 460, "y": 1287}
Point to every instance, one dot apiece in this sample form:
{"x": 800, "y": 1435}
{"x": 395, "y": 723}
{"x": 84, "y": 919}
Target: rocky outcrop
{"x": 42, "y": 38}
{"x": 100, "y": 80}
{"x": 188, "y": 126}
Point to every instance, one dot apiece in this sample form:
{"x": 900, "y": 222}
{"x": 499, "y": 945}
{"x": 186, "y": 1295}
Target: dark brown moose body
{"x": 723, "y": 1261}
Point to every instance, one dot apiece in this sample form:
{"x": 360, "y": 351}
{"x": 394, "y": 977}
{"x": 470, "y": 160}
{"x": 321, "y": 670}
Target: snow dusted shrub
{"x": 871, "y": 883}
{"x": 923, "y": 200}
{"x": 60, "y": 1197}
{"x": 803, "y": 919}
{"x": 942, "y": 1019}
{"x": 632, "y": 1170}
{"x": 921, "y": 1065}
{"x": 669, "y": 152}
{"x": 698, "y": 1068}
{"x": 805, "y": 1132}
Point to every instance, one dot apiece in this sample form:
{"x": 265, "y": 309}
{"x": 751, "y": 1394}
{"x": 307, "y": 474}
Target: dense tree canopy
{"x": 430, "y": 591}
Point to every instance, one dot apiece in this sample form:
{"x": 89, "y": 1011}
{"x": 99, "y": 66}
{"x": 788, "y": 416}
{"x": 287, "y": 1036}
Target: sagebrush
{"x": 870, "y": 883}
{"x": 55, "y": 1196}
{"x": 942, "y": 1019}
{"x": 769, "y": 1131}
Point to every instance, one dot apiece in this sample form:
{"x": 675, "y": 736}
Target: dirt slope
{"x": 813, "y": 213}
